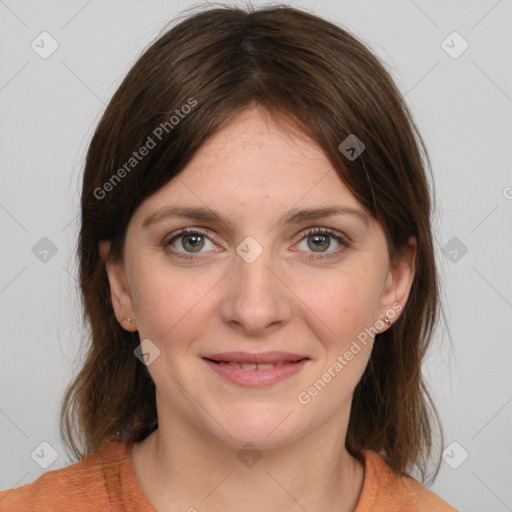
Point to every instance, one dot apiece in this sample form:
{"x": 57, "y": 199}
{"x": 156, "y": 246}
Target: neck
{"x": 182, "y": 469}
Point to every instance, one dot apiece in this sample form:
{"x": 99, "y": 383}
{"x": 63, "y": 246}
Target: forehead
{"x": 254, "y": 164}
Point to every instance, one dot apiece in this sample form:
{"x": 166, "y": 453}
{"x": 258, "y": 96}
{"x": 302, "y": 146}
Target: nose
{"x": 256, "y": 302}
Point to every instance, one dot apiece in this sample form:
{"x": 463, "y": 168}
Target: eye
{"x": 188, "y": 242}
{"x": 319, "y": 240}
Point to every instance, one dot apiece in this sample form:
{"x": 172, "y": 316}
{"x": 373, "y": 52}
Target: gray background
{"x": 463, "y": 106}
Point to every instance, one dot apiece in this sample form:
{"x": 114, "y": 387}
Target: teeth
{"x": 267, "y": 366}
{"x": 254, "y": 366}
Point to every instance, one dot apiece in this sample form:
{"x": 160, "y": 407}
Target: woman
{"x": 258, "y": 274}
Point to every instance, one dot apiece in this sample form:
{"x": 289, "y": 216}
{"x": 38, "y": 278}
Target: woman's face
{"x": 261, "y": 270}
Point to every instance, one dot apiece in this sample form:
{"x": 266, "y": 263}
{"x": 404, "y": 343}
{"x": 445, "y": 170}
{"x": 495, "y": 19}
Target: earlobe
{"x": 104, "y": 249}
{"x": 119, "y": 293}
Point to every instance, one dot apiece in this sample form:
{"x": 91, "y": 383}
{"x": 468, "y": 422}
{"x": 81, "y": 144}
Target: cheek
{"x": 344, "y": 304}
{"x": 169, "y": 306}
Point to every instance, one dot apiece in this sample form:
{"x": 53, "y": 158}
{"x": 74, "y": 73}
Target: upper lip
{"x": 261, "y": 358}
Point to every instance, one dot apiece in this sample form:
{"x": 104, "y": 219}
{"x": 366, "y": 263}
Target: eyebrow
{"x": 294, "y": 216}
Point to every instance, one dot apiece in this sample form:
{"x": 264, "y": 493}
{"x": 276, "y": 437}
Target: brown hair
{"x": 307, "y": 73}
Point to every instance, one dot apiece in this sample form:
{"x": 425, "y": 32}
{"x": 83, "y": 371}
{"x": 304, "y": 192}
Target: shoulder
{"x": 85, "y": 485}
{"x": 385, "y": 490}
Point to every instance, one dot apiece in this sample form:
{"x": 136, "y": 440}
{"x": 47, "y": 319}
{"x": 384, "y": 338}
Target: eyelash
{"x": 342, "y": 240}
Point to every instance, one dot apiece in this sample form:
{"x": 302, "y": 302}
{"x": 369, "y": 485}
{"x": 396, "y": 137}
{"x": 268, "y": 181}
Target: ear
{"x": 399, "y": 282}
{"x": 119, "y": 293}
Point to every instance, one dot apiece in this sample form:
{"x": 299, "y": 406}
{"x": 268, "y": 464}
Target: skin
{"x": 251, "y": 172}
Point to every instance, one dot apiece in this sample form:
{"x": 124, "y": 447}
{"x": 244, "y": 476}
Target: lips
{"x": 263, "y": 358}
{"x": 256, "y": 370}
{"x": 254, "y": 366}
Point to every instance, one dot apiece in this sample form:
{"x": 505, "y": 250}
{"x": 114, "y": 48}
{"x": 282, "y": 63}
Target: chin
{"x": 262, "y": 426}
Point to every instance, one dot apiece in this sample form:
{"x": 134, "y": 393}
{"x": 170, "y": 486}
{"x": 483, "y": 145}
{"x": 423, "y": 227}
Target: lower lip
{"x": 256, "y": 378}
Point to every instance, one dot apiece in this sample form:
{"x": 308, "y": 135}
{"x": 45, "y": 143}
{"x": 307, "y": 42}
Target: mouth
{"x": 256, "y": 370}
{"x": 253, "y": 366}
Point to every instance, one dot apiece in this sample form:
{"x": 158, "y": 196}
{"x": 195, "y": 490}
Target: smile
{"x": 253, "y": 366}
{"x": 256, "y": 370}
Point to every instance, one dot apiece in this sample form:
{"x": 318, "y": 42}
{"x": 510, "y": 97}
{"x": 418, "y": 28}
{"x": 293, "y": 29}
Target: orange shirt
{"x": 105, "y": 481}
